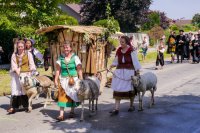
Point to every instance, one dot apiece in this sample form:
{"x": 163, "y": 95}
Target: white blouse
{"x": 135, "y": 61}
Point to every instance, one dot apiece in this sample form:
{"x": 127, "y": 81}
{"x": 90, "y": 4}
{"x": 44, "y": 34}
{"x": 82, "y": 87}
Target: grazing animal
{"x": 89, "y": 89}
{"x": 143, "y": 83}
{"x": 33, "y": 87}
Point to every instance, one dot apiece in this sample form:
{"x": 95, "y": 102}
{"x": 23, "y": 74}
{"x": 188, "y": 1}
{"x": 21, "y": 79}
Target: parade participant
{"x": 160, "y": 54}
{"x": 180, "y": 42}
{"x": 68, "y": 65}
{"x": 191, "y": 50}
{"x": 194, "y": 52}
{"x": 36, "y": 53}
{"x": 186, "y": 46}
{"x": 127, "y": 64}
{"x": 21, "y": 63}
{"x": 172, "y": 45}
{"x": 145, "y": 46}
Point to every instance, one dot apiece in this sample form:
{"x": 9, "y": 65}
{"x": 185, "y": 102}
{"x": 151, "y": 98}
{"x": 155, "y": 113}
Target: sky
{"x": 177, "y": 9}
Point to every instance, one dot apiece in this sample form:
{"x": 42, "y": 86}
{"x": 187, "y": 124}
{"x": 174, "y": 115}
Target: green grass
{"x": 4, "y": 82}
{"x": 151, "y": 57}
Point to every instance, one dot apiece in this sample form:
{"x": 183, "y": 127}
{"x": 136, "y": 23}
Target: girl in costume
{"x": 68, "y": 65}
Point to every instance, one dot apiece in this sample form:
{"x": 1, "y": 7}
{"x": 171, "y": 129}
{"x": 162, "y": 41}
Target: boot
{"x": 24, "y": 101}
{"x": 13, "y": 105}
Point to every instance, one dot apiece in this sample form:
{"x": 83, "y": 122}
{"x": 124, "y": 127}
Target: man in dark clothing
{"x": 194, "y": 51}
{"x": 180, "y": 43}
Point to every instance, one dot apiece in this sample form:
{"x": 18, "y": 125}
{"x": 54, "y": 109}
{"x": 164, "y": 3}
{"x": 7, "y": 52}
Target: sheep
{"x": 143, "y": 83}
{"x": 89, "y": 89}
{"x": 35, "y": 86}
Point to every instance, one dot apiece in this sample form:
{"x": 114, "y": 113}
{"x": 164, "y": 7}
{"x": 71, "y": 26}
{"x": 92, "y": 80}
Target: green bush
{"x": 6, "y": 41}
{"x": 174, "y": 27}
{"x": 113, "y": 25}
{"x": 188, "y": 28}
{"x": 114, "y": 42}
{"x": 64, "y": 20}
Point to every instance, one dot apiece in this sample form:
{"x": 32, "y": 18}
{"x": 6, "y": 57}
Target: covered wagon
{"x": 88, "y": 43}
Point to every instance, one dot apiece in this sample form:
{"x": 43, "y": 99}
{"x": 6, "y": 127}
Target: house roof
{"x": 75, "y": 7}
{"x": 78, "y": 29}
{"x": 182, "y": 22}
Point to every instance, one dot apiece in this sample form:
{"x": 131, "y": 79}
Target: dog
{"x": 89, "y": 89}
{"x": 34, "y": 86}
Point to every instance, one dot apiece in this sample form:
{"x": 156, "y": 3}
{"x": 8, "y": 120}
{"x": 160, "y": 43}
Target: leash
{"x": 117, "y": 76}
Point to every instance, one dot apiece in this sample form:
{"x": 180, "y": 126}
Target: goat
{"x": 89, "y": 90}
{"x": 143, "y": 83}
{"x": 35, "y": 86}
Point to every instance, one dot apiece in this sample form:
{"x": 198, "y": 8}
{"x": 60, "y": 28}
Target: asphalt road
{"x": 176, "y": 109}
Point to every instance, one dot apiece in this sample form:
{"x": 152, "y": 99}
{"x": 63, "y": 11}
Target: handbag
{"x": 71, "y": 81}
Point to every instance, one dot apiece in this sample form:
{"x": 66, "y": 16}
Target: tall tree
{"x": 196, "y": 20}
{"x": 155, "y": 18}
{"x": 33, "y": 12}
{"x": 129, "y": 13}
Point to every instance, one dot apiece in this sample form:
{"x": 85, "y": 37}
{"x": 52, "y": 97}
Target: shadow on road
{"x": 171, "y": 114}
{"x": 174, "y": 114}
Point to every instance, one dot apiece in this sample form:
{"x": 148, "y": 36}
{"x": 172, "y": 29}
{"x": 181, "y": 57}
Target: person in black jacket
{"x": 180, "y": 42}
{"x": 195, "y": 46}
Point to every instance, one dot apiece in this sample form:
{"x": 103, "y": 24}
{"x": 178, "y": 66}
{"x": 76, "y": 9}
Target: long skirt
{"x": 18, "y": 96}
{"x": 121, "y": 84}
{"x": 64, "y": 100}
{"x": 160, "y": 59}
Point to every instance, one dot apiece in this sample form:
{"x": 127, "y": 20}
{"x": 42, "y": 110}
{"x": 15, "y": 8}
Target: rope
{"x": 117, "y": 76}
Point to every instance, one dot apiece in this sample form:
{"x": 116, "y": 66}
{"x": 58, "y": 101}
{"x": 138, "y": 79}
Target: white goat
{"x": 89, "y": 90}
{"x": 143, "y": 83}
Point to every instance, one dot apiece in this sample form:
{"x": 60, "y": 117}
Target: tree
{"x": 111, "y": 25}
{"x": 21, "y": 18}
{"x": 155, "y": 34}
{"x": 155, "y": 18}
{"x": 129, "y": 13}
{"x": 196, "y": 20}
{"x": 36, "y": 13}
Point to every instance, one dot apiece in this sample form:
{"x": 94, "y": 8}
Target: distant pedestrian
{"x": 195, "y": 50}
{"x": 160, "y": 54}
{"x": 145, "y": 45}
{"x": 180, "y": 42}
{"x": 172, "y": 45}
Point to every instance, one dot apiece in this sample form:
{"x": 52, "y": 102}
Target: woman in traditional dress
{"x": 172, "y": 45}
{"x": 127, "y": 65}
{"x": 68, "y": 65}
{"x": 36, "y": 53}
{"x": 160, "y": 54}
{"x": 21, "y": 63}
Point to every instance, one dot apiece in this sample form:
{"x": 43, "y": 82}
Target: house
{"x": 72, "y": 10}
{"x": 181, "y": 22}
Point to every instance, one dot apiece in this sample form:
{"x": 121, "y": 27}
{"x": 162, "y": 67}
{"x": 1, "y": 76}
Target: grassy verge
{"x": 5, "y": 80}
{"x": 151, "y": 57}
